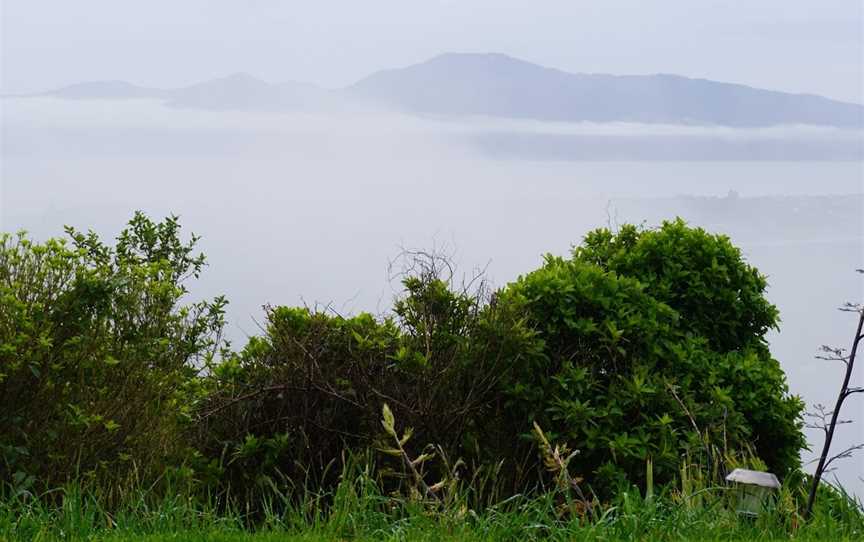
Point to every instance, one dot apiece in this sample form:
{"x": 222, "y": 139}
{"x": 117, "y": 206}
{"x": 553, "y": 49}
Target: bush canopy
{"x": 641, "y": 347}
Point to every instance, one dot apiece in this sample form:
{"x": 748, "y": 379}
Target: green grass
{"x": 358, "y": 512}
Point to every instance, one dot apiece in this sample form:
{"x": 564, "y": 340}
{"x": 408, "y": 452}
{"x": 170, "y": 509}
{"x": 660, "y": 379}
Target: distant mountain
{"x": 107, "y": 90}
{"x": 239, "y": 91}
{"x": 244, "y": 92}
{"x": 501, "y": 86}
{"x": 497, "y": 85}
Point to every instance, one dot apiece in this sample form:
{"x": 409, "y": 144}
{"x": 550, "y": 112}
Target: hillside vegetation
{"x": 602, "y": 395}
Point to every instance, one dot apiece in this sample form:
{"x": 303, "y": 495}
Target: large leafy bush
{"x": 653, "y": 348}
{"x": 702, "y": 276}
{"x": 98, "y": 354}
{"x": 289, "y": 406}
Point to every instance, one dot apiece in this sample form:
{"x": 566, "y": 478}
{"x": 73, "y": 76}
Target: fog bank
{"x": 309, "y": 208}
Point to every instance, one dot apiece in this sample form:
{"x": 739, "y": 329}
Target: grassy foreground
{"x": 357, "y": 511}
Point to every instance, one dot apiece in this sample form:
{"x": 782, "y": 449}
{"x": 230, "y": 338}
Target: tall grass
{"x": 357, "y": 510}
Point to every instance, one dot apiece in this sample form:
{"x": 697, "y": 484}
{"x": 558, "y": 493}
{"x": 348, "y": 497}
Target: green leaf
{"x": 388, "y": 421}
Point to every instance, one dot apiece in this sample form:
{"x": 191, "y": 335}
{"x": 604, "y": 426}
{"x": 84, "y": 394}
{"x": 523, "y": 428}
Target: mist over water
{"x": 310, "y": 208}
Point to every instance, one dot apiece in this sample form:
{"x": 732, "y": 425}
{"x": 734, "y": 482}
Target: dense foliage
{"x": 291, "y": 403}
{"x": 642, "y": 348}
{"x": 97, "y": 354}
{"x": 654, "y": 348}
{"x": 702, "y": 276}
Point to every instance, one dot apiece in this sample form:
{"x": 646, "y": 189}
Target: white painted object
{"x": 753, "y": 487}
{"x": 754, "y": 477}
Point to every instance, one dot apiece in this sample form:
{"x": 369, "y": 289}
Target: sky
{"x": 789, "y": 45}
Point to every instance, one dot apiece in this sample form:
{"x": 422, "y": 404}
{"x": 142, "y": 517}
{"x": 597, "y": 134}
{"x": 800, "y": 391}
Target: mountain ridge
{"x": 493, "y": 84}
{"x": 498, "y": 85}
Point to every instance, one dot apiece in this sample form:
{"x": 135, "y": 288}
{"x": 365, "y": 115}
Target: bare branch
{"x": 820, "y": 419}
{"x": 845, "y": 454}
{"x": 845, "y": 391}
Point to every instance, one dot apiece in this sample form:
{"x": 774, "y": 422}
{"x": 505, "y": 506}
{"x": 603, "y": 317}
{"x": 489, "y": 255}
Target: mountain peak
{"x": 107, "y": 89}
{"x": 241, "y": 77}
{"x": 478, "y": 61}
{"x": 498, "y": 85}
{"x": 456, "y": 56}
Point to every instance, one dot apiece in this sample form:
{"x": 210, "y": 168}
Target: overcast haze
{"x": 790, "y": 45}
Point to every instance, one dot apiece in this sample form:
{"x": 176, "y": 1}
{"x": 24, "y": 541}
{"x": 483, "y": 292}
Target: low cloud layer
{"x": 310, "y": 208}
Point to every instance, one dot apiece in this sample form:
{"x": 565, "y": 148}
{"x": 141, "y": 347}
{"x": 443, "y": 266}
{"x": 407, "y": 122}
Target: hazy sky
{"x": 792, "y": 45}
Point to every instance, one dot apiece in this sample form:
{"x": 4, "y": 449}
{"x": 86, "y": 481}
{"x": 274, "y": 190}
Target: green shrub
{"x": 702, "y": 276}
{"x": 97, "y": 354}
{"x": 644, "y": 345}
{"x": 288, "y": 405}
{"x": 295, "y": 400}
{"x": 720, "y": 298}
{"x": 653, "y": 348}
